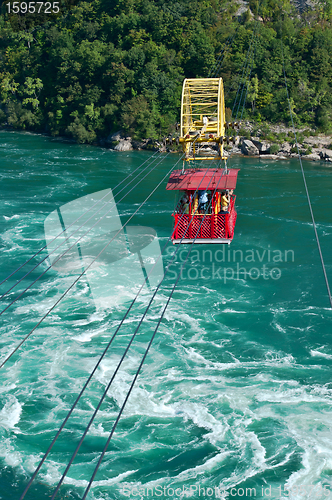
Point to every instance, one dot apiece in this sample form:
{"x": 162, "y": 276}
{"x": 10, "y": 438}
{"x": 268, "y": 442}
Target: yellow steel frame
{"x": 202, "y": 115}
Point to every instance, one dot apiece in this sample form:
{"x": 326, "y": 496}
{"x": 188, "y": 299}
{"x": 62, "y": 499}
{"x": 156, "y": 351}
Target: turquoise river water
{"x": 234, "y": 399}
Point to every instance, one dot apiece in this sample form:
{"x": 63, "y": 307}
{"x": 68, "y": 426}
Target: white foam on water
{"x": 54, "y": 472}
{"x": 279, "y": 327}
{"x": 31, "y": 462}
{"x": 10, "y": 413}
{"x": 300, "y": 394}
{"x": 199, "y": 415}
{"x": 257, "y": 464}
{"x": 272, "y": 359}
{"x": 104, "y": 482}
{"x": 312, "y": 433}
{"x": 209, "y": 465}
{"x": 40, "y": 306}
{"x": 234, "y": 311}
{"x": 318, "y": 353}
{"x": 184, "y": 319}
{"x": 219, "y": 345}
{"x": 12, "y": 217}
{"x": 89, "y": 335}
{"x": 7, "y": 388}
{"x": 279, "y": 358}
{"x": 10, "y": 456}
{"x": 11, "y": 241}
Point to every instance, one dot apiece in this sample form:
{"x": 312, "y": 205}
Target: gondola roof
{"x": 202, "y": 179}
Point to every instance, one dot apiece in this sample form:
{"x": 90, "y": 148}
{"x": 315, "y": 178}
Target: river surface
{"x": 234, "y": 398}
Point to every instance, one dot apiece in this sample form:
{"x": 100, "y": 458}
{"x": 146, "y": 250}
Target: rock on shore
{"x": 249, "y": 148}
{"x": 118, "y": 142}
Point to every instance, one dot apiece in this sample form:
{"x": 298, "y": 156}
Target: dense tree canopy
{"x": 105, "y": 65}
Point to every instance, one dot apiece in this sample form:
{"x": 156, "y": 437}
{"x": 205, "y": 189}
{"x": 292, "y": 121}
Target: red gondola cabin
{"x": 191, "y": 224}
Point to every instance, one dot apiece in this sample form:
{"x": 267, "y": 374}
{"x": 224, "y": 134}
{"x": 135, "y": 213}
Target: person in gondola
{"x": 202, "y": 201}
{"x": 183, "y": 202}
{"x": 225, "y": 200}
{"x": 185, "y": 208}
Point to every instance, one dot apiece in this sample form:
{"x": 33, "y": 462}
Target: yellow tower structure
{"x": 202, "y": 116}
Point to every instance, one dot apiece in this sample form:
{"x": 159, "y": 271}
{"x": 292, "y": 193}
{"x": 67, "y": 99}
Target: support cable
{"x": 244, "y": 69}
{"x": 129, "y": 175}
{"x": 220, "y": 58}
{"x": 100, "y": 359}
{"x": 247, "y": 78}
{"x": 252, "y": 45}
{"x": 125, "y": 353}
{"x": 234, "y": 83}
{"x": 218, "y": 64}
{"x": 248, "y": 81}
{"x": 145, "y": 354}
{"x": 69, "y": 248}
{"x": 305, "y": 183}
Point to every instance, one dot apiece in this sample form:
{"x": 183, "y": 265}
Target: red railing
{"x": 213, "y": 225}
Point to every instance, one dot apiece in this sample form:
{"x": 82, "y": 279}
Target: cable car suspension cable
{"x": 98, "y": 363}
{"x": 248, "y": 81}
{"x": 244, "y": 67}
{"x": 218, "y": 64}
{"x": 305, "y": 182}
{"x": 145, "y": 353}
{"x": 121, "y": 360}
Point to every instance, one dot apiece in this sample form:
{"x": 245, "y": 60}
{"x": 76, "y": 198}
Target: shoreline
{"x": 269, "y": 141}
{"x": 316, "y": 147}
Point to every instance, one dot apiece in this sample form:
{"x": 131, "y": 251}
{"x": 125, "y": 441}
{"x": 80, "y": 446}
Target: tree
{"x": 253, "y": 92}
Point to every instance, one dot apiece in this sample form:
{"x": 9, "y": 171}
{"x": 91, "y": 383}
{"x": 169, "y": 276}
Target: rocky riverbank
{"x": 278, "y": 142}
{"x": 266, "y": 141}
{"x": 313, "y": 148}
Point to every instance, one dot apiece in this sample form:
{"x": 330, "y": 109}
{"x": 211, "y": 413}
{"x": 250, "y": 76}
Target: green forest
{"x": 105, "y": 65}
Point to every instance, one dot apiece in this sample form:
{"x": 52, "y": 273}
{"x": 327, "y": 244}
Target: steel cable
{"x": 68, "y": 237}
{"x": 146, "y": 351}
{"x": 305, "y": 183}
{"x": 252, "y": 64}
{"x": 100, "y": 359}
{"x": 244, "y": 69}
{"x": 122, "y": 358}
{"x": 218, "y": 64}
{"x": 251, "y": 54}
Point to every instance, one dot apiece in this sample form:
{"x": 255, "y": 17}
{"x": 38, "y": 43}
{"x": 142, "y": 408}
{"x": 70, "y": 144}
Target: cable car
{"x": 203, "y": 182}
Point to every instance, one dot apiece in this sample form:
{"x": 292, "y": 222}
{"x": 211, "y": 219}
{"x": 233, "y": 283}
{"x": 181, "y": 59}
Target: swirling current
{"x": 234, "y": 399}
